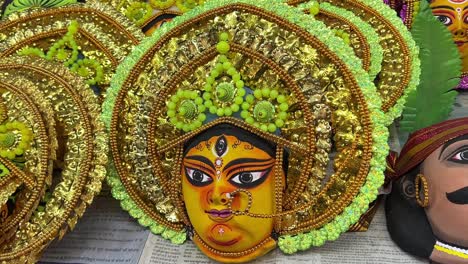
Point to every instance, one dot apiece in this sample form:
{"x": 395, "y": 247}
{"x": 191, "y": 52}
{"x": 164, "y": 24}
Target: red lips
{"x": 225, "y": 213}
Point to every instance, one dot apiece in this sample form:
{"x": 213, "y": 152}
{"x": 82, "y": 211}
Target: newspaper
{"x": 107, "y": 234}
{"x": 373, "y": 246}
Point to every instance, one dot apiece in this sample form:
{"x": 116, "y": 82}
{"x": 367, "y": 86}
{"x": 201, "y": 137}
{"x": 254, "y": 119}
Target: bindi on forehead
{"x": 220, "y": 146}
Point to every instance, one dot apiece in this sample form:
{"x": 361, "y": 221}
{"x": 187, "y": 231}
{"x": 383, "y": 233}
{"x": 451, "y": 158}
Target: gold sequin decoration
{"x": 104, "y": 35}
{"x": 76, "y": 151}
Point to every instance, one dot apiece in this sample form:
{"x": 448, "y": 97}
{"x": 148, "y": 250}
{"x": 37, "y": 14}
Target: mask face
{"x": 211, "y": 171}
{"x": 446, "y": 171}
{"x": 454, "y": 15}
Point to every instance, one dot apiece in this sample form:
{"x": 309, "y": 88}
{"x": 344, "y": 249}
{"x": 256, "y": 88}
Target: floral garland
{"x": 368, "y": 193}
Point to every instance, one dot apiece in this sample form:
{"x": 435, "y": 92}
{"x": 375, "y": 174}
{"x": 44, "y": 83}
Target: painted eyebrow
{"x": 202, "y": 159}
{"x": 243, "y": 160}
{"x": 445, "y": 7}
{"x": 450, "y": 142}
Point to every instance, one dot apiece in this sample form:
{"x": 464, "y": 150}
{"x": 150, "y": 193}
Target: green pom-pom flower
{"x": 185, "y": 110}
{"x": 265, "y": 109}
{"x": 288, "y": 244}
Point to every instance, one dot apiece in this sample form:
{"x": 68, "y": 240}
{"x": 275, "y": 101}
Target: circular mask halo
{"x": 401, "y": 65}
{"x": 91, "y": 39}
{"x": 69, "y": 170}
{"x": 136, "y": 107}
{"x": 360, "y": 35}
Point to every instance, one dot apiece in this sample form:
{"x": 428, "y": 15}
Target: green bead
{"x": 179, "y": 125}
{"x": 198, "y": 100}
{"x": 201, "y": 117}
{"x": 197, "y": 124}
{"x": 238, "y": 100}
{"x": 314, "y": 10}
{"x": 265, "y": 92}
{"x": 171, "y": 105}
{"x": 223, "y": 47}
{"x": 236, "y": 77}
{"x": 187, "y": 94}
{"x": 186, "y": 128}
{"x": 171, "y": 113}
{"x": 284, "y": 107}
{"x": 245, "y": 105}
{"x": 283, "y": 115}
{"x": 249, "y": 120}
{"x": 224, "y": 36}
{"x": 220, "y": 112}
{"x": 227, "y": 65}
{"x": 264, "y": 127}
{"x": 271, "y": 128}
{"x": 201, "y": 108}
{"x": 207, "y": 87}
{"x": 235, "y": 108}
{"x": 207, "y": 96}
{"x": 210, "y": 80}
{"x": 281, "y": 98}
{"x": 274, "y": 94}
{"x": 258, "y": 94}
{"x": 208, "y": 103}
{"x": 222, "y": 58}
{"x": 279, "y": 123}
{"x": 213, "y": 109}
{"x": 241, "y": 92}
{"x": 239, "y": 84}
{"x": 193, "y": 95}
{"x": 231, "y": 71}
{"x": 244, "y": 114}
{"x": 219, "y": 67}
{"x": 250, "y": 99}
{"x": 227, "y": 111}
{"x": 180, "y": 93}
{"x": 214, "y": 73}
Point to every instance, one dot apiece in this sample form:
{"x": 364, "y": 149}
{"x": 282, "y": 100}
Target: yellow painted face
{"x": 211, "y": 171}
{"x": 454, "y": 15}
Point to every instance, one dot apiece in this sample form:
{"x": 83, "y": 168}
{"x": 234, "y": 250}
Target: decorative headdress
{"x": 150, "y": 15}
{"x": 271, "y": 70}
{"x": 408, "y": 11}
{"x": 91, "y": 39}
{"x": 400, "y": 66}
{"x": 53, "y": 153}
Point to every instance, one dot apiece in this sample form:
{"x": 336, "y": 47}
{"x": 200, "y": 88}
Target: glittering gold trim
{"x": 65, "y": 207}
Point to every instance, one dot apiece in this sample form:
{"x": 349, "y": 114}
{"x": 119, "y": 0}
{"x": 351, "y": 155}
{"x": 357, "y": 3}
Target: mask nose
{"x": 460, "y": 33}
{"x": 218, "y": 197}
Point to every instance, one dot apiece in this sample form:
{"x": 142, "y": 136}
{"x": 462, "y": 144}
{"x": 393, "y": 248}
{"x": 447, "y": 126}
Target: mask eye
{"x": 460, "y": 156}
{"x": 249, "y": 179}
{"x": 444, "y": 19}
{"x": 197, "y": 177}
